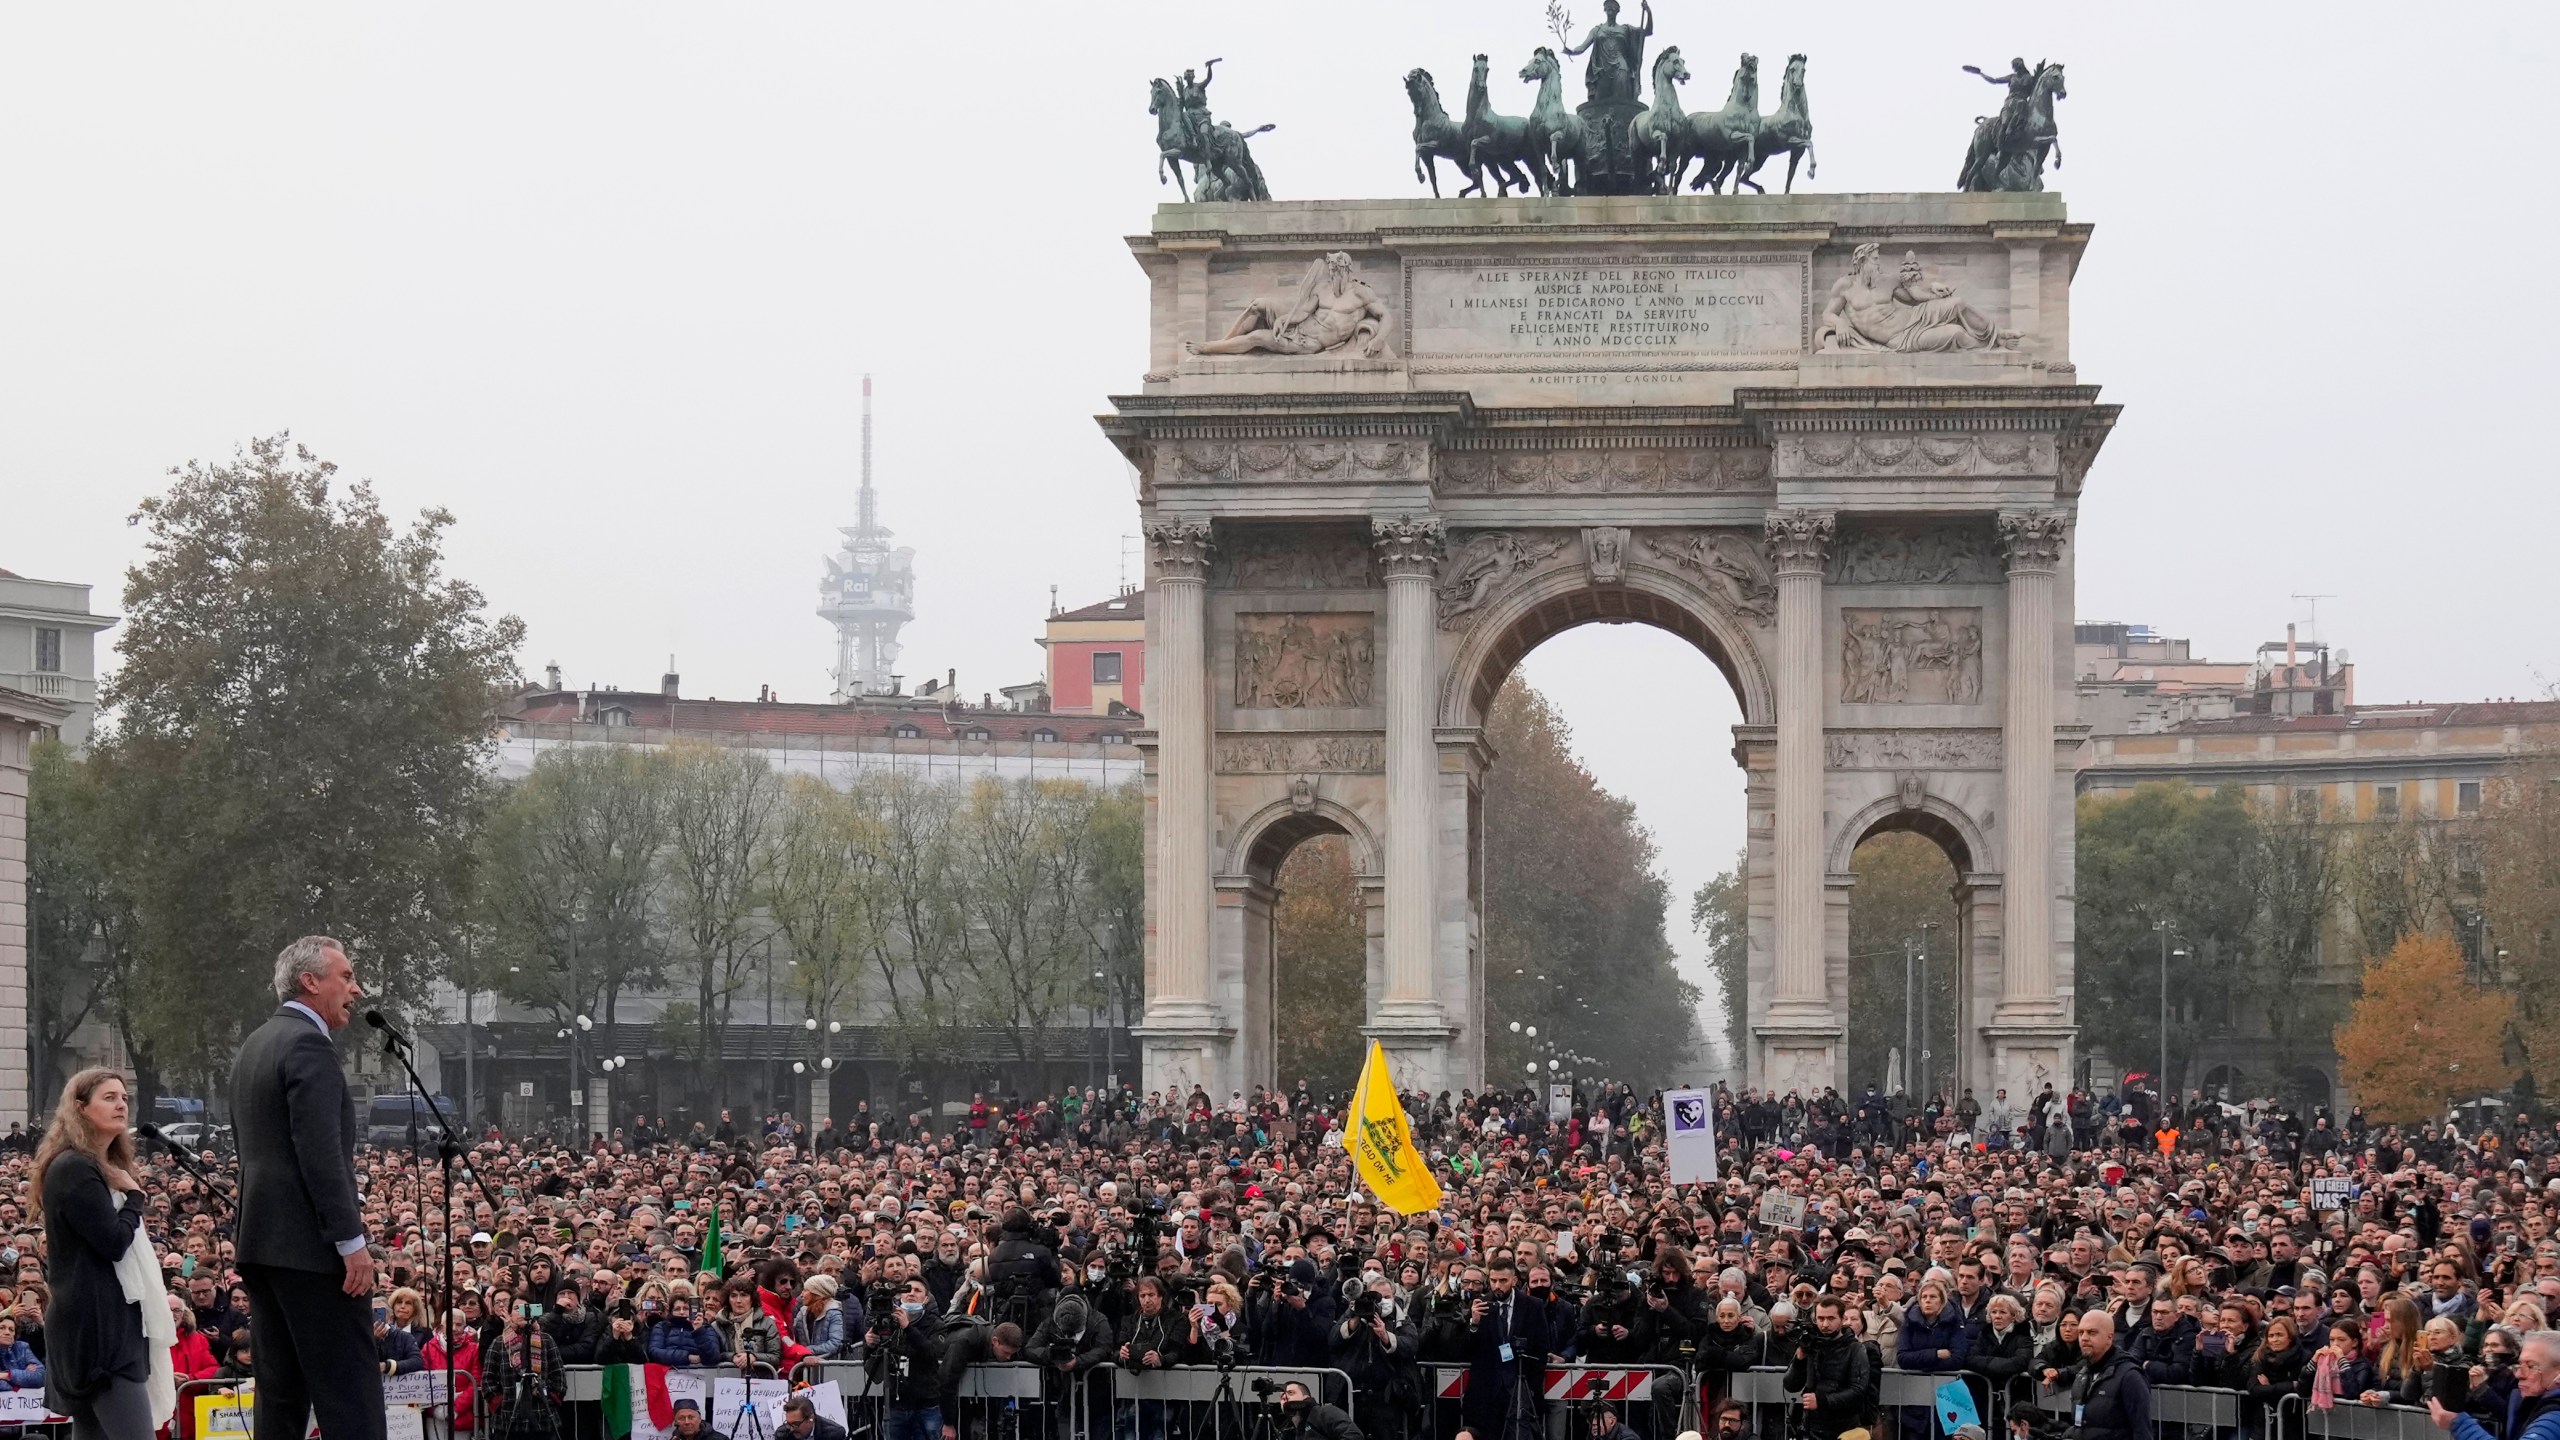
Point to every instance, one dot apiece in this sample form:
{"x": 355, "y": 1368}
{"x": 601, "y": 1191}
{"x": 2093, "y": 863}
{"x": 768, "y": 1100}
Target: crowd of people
{"x": 2097, "y": 1247}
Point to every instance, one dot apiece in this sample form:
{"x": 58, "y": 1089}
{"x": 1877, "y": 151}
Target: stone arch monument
{"x": 1385, "y": 448}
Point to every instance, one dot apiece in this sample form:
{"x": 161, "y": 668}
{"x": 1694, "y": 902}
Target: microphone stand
{"x": 448, "y": 1150}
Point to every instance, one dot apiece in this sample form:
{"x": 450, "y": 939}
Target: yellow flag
{"x": 1382, "y": 1144}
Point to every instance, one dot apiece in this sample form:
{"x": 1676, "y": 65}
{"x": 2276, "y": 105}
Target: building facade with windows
{"x": 49, "y": 648}
{"x": 1098, "y": 655}
{"x": 2424, "y": 765}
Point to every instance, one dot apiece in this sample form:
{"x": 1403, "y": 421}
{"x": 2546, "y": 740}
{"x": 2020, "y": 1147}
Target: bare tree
{"x": 719, "y": 854}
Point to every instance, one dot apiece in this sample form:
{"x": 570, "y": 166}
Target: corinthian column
{"x": 1409, "y": 554}
{"x": 1177, "y": 671}
{"x": 1798, "y": 541}
{"x": 2033, "y": 539}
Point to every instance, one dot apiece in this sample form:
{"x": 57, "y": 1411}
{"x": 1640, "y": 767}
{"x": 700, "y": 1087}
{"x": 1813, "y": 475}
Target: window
{"x": 1044, "y": 737}
{"x": 2386, "y": 802}
{"x": 2306, "y": 802}
{"x": 907, "y": 732}
{"x": 612, "y": 715}
{"x": 1106, "y": 667}
{"x": 1114, "y": 737}
{"x": 976, "y": 732}
{"x": 2466, "y": 797}
{"x": 49, "y": 653}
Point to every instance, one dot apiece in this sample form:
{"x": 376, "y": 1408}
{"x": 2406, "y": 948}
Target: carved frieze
{"x": 1911, "y": 656}
{"x": 1730, "y": 561}
{"x": 1294, "y": 661}
{"x": 1487, "y": 563}
{"x": 1264, "y": 557}
{"x": 1832, "y": 454}
{"x": 1903, "y": 750}
{"x": 1301, "y": 755}
{"x": 1365, "y": 462}
{"x": 1692, "y": 471}
{"x": 1956, "y": 553}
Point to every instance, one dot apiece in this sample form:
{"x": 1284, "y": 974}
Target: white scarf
{"x": 138, "y": 1272}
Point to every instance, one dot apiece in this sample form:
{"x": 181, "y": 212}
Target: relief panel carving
{"x": 1823, "y": 455}
{"x": 1915, "y": 656}
{"x": 1301, "y": 755}
{"x": 1256, "y": 557}
{"x": 1302, "y": 661}
{"x": 1952, "y": 554}
{"x": 1209, "y": 462}
{"x": 1488, "y": 563}
{"x": 1602, "y": 472}
{"x": 1911, "y": 749}
{"x": 1730, "y": 561}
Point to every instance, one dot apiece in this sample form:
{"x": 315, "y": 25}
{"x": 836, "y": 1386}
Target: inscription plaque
{"x": 1654, "y": 312}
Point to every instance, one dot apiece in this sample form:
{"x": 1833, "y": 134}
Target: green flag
{"x": 711, "y": 1241}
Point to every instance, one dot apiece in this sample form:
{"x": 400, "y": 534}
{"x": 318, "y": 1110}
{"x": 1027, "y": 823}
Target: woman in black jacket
{"x": 2280, "y": 1368}
{"x": 97, "y": 1358}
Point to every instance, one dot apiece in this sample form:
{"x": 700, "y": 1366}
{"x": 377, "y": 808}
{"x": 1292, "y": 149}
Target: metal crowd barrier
{"x": 2349, "y": 1420}
{"x": 1655, "y": 1401}
{"x": 1200, "y": 1402}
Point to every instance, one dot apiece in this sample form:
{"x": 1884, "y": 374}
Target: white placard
{"x": 403, "y": 1422}
{"x": 1689, "y": 1125}
{"x": 1559, "y": 1101}
{"x": 418, "y": 1387}
{"x": 730, "y": 1397}
{"x": 829, "y": 1398}
{"x": 1782, "y": 1211}
{"x": 2332, "y": 1192}
{"x": 24, "y": 1407}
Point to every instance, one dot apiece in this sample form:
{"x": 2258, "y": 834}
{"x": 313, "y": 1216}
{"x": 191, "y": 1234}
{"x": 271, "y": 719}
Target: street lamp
{"x": 2160, "y": 1082}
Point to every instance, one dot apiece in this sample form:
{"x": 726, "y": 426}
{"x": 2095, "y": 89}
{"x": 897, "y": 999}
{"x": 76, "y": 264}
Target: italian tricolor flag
{"x": 635, "y": 1401}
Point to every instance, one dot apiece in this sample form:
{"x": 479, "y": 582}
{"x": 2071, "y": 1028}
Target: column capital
{"x": 2033, "y": 539}
{"x": 1799, "y": 540}
{"x": 1180, "y": 548}
{"x": 1408, "y": 545}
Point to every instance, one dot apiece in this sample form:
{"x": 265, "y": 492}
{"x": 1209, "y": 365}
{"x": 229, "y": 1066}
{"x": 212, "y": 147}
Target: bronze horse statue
{"x": 1499, "y": 144}
{"x": 1174, "y": 141}
{"x": 1436, "y": 137}
{"x": 1788, "y": 128}
{"x": 2009, "y": 149}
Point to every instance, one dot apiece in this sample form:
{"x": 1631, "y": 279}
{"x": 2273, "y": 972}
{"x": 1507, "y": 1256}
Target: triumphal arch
{"x": 1385, "y": 448}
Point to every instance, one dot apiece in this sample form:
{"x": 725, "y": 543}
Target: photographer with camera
{"x": 1073, "y": 1341}
{"x": 1376, "y": 1346}
{"x": 1832, "y": 1382}
{"x": 966, "y": 1343}
{"x": 907, "y": 1363}
{"x": 624, "y": 1342}
{"x": 1023, "y": 1271}
{"x": 1155, "y": 1340}
{"x": 1616, "y": 1325}
{"x": 1302, "y": 1417}
{"x": 1283, "y": 1324}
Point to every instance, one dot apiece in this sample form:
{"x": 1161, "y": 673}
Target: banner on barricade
{"x": 1691, "y": 1136}
{"x": 1579, "y": 1382}
{"x": 25, "y": 1407}
{"x": 1955, "y": 1408}
{"x": 828, "y": 1398}
{"x": 218, "y": 1415}
{"x": 732, "y": 1397}
{"x": 418, "y": 1387}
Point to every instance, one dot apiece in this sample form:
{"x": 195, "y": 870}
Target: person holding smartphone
{"x": 520, "y": 1375}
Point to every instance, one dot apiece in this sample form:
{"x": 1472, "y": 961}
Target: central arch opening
{"x": 1319, "y": 913}
{"x": 1906, "y": 1000}
{"x": 1612, "y": 799}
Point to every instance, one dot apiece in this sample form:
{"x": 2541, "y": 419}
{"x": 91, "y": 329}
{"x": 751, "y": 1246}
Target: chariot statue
{"x": 2009, "y": 149}
{"x": 1222, "y": 165}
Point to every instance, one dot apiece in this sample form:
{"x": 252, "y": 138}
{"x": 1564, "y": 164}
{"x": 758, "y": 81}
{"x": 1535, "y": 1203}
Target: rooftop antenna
{"x": 868, "y": 510}
{"x": 2311, "y": 620}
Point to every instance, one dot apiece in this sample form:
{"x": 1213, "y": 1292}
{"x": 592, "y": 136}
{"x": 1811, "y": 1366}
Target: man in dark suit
{"x": 301, "y": 1242}
{"x": 1507, "y": 1348}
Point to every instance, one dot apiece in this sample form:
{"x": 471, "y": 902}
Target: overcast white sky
{"x": 603, "y": 279}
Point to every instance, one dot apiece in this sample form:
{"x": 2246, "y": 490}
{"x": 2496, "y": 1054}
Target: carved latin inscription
{"x": 1301, "y": 754}
{"x": 1305, "y": 661}
{"x": 1911, "y": 656}
{"x": 1563, "y": 311}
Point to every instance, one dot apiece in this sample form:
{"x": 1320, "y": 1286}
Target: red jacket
{"x": 466, "y": 1364}
{"x": 192, "y": 1356}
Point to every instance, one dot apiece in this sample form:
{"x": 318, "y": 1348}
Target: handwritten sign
{"x": 1782, "y": 1211}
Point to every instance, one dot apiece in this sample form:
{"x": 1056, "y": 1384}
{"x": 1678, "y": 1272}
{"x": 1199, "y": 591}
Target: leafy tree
{"x": 1322, "y": 953}
{"x": 2420, "y": 1037}
{"x": 569, "y": 865}
{"x": 2164, "y": 853}
{"x": 824, "y": 896}
{"x": 301, "y": 716}
{"x": 2519, "y": 840}
{"x": 1721, "y": 914}
{"x": 1904, "y": 881}
{"x": 1575, "y": 909}
{"x": 1116, "y": 905}
{"x": 713, "y": 874}
{"x": 79, "y": 922}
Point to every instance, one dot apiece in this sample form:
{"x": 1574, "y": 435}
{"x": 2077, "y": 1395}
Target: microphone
{"x": 391, "y": 1036}
{"x": 186, "y": 1160}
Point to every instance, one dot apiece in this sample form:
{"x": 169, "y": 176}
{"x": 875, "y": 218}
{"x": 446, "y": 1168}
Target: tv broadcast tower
{"x": 869, "y": 591}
